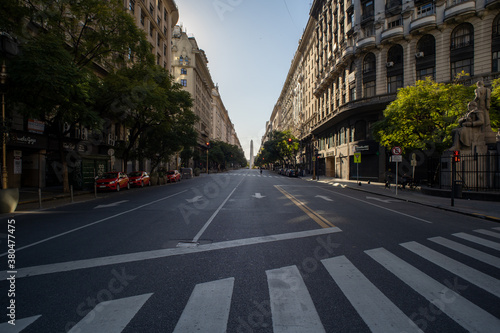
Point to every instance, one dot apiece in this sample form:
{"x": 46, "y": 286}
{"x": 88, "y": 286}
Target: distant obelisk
{"x": 251, "y": 153}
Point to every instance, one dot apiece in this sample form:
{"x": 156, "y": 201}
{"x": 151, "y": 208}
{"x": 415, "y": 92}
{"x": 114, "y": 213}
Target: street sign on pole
{"x": 397, "y": 150}
{"x": 357, "y": 158}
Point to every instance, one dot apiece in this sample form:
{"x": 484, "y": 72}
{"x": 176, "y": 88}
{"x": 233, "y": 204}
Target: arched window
{"x": 369, "y": 75}
{"x": 462, "y": 50}
{"x": 426, "y": 57}
{"x": 394, "y": 68}
{"x": 495, "y": 45}
{"x": 352, "y": 82}
{"x": 462, "y": 36}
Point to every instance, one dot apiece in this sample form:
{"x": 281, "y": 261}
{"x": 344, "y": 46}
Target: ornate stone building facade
{"x": 190, "y": 69}
{"x": 353, "y": 57}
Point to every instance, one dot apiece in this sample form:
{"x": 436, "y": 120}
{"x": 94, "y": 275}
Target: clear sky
{"x": 249, "y": 45}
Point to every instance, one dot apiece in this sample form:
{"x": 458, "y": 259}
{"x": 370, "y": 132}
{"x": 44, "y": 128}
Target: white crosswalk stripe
{"x": 292, "y": 308}
{"x": 488, "y": 233}
{"x": 476, "y": 254}
{"x": 378, "y": 312}
{"x": 478, "y": 240}
{"x": 20, "y": 324}
{"x": 472, "y": 275}
{"x": 208, "y": 308}
{"x": 111, "y": 316}
{"x": 291, "y": 305}
{"x": 465, "y": 313}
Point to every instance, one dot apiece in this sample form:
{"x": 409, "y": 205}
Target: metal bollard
{"x": 71, "y": 191}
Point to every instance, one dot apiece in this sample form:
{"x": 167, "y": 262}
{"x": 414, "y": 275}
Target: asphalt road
{"x": 244, "y": 252}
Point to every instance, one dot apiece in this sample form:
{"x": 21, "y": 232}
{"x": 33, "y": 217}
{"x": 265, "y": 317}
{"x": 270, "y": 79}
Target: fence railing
{"x": 475, "y": 172}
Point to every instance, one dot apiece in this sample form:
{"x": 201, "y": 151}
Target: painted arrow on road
{"x": 258, "y": 196}
{"x": 324, "y": 198}
{"x": 195, "y": 199}
{"x": 382, "y": 200}
{"x": 114, "y": 204}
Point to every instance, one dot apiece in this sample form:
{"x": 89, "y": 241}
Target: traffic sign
{"x": 397, "y": 158}
{"x": 357, "y": 157}
{"x": 397, "y": 150}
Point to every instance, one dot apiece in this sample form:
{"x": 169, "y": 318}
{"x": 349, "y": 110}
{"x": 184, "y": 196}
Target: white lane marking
{"x": 323, "y": 197}
{"x": 470, "y": 274}
{"x": 20, "y": 325}
{"x": 132, "y": 257}
{"x": 383, "y": 200}
{"x": 377, "y": 311}
{"x": 114, "y": 204}
{"x": 198, "y": 235}
{"x": 478, "y": 240}
{"x": 258, "y": 196}
{"x": 291, "y": 305}
{"x": 195, "y": 199}
{"x": 488, "y": 233}
{"x": 208, "y": 308}
{"x": 111, "y": 316}
{"x": 465, "y": 313}
{"x": 92, "y": 223}
{"x": 468, "y": 251}
{"x": 372, "y": 204}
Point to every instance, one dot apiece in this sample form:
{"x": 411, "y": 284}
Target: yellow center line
{"x": 324, "y": 223}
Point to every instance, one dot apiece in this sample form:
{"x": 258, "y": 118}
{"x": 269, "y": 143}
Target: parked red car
{"x": 173, "y": 176}
{"x": 139, "y": 178}
{"x": 112, "y": 181}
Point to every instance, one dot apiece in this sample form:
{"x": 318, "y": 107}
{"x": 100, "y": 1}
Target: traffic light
{"x": 456, "y": 156}
{"x": 289, "y": 140}
{"x": 208, "y": 144}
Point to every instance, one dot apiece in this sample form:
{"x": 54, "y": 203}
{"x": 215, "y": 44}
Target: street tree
{"x": 423, "y": 116}
{"x": 145, "y": 98}
{"x": 64, "y": 44}
{"x": 282, "y": 146}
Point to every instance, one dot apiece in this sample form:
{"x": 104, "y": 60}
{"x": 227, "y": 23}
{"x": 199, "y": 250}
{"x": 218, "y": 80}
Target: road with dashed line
{"x": 247, "y": 252}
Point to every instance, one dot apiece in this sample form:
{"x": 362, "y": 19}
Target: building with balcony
{"x": 353, "y": 57}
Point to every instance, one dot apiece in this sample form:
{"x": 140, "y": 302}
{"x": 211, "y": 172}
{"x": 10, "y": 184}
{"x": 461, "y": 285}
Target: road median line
{"x": 324, "y": 223}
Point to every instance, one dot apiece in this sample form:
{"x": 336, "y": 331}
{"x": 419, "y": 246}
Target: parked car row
{"x": 288, "y": 172}
{"x": 116, "y": 180}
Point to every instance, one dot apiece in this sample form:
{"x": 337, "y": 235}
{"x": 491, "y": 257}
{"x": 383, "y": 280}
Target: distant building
{"x": 353, "y": 57}
{"x": 190, "y": 69}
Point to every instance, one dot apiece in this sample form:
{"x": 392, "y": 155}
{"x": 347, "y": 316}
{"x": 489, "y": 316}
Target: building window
{"x": 462, "y": 36}
{"x": 369, "y": 30}
{"x": 352, "y": 93}
{"x": 158, "y": 58}
{"x": 165, "y": 15}
{"x": 151, "y": 8}
{"x": 426, "y": 58}
{"x": 466, "y": 65}
{"x": 369, "y": 64}
{"x": 184, "y": 82}
{"x": 369, "y": 89}
{"x": 131, "y": 6}
{"x": 181, "y": 60}
{"x": 426, "y": 10}
{"x": 158, "y": 39}
{"x": 151, "y": 29}
{"x": 368, "y": 10}
{"x": 143, "y": 17}
{"x": 430, "y": 72}
{"x": 183, "y": 71}
{"x": 394, "y": 23}
{"x": 496, "y": 62}
{"x": 495, "y": 45}
{"x": 164, "y": 49}
{"x": 394, "y": 68}
{"x": 394, "y": 83}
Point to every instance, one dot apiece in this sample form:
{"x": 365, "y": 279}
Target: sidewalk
{"x": 489, "y": 210}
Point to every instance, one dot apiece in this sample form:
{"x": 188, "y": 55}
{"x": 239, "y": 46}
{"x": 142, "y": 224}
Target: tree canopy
{"x": 223, "y": 155}
{"x": 282, "y": 146}
{"x": 423, "y": 116}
